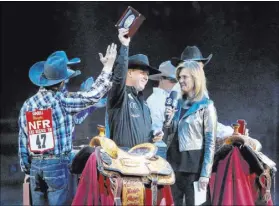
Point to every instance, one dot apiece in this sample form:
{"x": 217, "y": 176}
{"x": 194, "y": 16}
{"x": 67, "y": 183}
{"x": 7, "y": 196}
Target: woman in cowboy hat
{"x": 46, "y": 123}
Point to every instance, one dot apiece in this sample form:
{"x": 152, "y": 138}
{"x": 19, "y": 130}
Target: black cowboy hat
{"x": 80, "y": 159}
{"x": 140, "y": 61}
{"x": 191, "y": 53}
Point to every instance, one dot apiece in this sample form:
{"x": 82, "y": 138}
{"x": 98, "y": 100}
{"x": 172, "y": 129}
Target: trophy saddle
{"x": 264, "y": 166}
{"x": 130, "y": 172}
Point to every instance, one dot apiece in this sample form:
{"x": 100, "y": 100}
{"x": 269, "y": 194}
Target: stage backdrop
{"x": 242, "y": 76}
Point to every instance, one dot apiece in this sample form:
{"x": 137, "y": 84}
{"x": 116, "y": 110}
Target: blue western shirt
{"x": 64, "y": 106}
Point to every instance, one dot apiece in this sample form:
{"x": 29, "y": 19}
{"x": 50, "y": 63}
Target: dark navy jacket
{"x": 128, "y": 113}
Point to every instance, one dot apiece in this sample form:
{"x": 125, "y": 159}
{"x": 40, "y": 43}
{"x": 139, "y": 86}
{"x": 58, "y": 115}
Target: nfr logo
{"x": 39, "y": 124}
{"x": 40, "y": 130}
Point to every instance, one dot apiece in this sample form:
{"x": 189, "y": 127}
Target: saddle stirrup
{"x": 154, "y": 189}
{"x": 116, "y": 187}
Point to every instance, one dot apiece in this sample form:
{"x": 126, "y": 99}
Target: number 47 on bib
{"x": 40, "y": 130}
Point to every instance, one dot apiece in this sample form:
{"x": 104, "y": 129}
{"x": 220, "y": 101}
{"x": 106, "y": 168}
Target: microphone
{"x": 171, "y": 102}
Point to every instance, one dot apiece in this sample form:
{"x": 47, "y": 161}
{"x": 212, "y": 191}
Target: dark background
{"x": 242, "y": 75}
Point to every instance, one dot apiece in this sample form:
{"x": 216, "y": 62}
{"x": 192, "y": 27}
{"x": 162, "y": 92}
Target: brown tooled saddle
{"x": 250, "y": 150}
{"x": 131, "y": 171}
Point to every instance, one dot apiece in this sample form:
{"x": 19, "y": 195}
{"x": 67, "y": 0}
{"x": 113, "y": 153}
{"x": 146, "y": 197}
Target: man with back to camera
{"x": 46, "y": 125}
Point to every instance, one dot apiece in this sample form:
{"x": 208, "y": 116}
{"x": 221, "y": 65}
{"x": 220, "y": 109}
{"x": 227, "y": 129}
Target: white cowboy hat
{"x": 166, "y": 69}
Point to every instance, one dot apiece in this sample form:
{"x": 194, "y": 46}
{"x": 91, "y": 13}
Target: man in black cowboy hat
{"x": 46, "y": 123}
{"x": 191, "y": 53}
{"x": 128, "y": 114}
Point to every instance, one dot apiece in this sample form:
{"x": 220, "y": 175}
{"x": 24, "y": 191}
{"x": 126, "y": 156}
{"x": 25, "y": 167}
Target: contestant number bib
{"x": 40, "y": 131}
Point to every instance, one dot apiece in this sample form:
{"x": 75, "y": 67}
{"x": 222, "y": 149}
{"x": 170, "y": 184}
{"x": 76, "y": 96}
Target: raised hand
{"x": 109, "y": 59}
{"x": 121, "y": 35}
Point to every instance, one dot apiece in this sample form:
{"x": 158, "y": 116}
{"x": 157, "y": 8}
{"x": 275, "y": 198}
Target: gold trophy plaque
{"x": 131, "y": 19}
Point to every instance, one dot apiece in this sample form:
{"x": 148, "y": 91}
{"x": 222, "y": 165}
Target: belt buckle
{"x": 42, "y": 156}
{"x": 49, "y": 156}
{"x": 37, "y": 157}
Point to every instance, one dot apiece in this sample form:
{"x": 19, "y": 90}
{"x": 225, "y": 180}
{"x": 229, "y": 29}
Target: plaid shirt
{"x": 85, "y": 86}
{"x": 64, "y": 107}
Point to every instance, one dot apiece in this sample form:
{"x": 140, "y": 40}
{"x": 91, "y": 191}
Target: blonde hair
{"x": 197, "y": 73}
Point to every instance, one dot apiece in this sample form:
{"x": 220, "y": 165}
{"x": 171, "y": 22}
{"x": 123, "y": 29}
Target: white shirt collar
{"x": 157, "y": 90}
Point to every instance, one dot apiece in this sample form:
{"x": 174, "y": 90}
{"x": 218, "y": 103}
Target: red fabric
{"x": 89, "y": 190}
{"x": 164, "y": 196}
{"x": 148, "y": 196}
{"x": 270, "y": 202}
{"x": 234, "y": 185}
{"x": 91, "y": 187}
